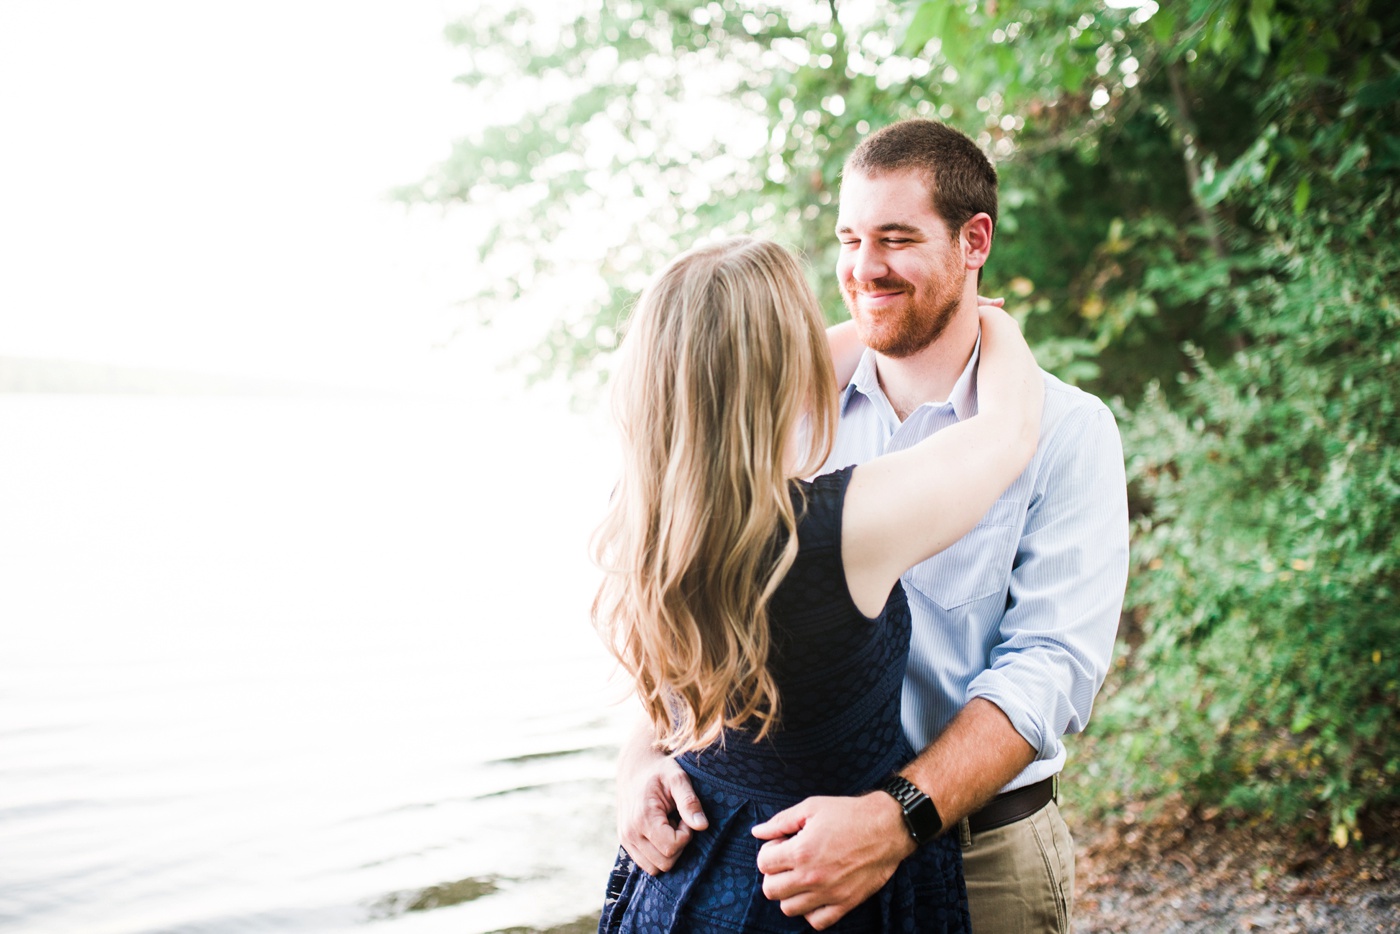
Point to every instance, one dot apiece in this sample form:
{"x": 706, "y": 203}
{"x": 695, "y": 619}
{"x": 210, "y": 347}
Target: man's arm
{"x": 657, "y": 810}
{"x": 1066, "y": 594}
{"x": 1055, "y": 641}
{"x": 851, "y": 846}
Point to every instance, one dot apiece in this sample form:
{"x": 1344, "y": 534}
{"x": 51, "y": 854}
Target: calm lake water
{"x": 275, "y": 664}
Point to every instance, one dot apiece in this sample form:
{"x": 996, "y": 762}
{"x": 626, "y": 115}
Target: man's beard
{"x": 921, "y": 321}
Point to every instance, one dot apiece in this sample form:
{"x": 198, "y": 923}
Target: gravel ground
{"x": 1179, "y": 874}
{"x": 1183, "y": 875}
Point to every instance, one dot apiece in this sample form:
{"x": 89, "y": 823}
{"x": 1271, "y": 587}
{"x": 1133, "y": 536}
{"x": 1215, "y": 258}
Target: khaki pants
{"x": 1020, "y": 878}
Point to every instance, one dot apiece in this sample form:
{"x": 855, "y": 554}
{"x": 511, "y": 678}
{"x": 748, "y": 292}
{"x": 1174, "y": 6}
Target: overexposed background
{"x": 284, "y": 657}
{"x": 205, "y": 186}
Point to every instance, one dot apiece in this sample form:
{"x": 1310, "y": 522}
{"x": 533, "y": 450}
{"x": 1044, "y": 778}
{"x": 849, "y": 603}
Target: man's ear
{"x": 976, "y": 237}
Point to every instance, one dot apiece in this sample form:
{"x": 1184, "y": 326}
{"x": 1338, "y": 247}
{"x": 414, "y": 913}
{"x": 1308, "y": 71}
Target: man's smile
{"x": 878, "y": 294}
{"x": 873, "y": 297}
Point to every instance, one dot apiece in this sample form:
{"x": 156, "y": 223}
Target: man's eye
{"x": 896, "y": 241}
{"x": 849, "y": 242}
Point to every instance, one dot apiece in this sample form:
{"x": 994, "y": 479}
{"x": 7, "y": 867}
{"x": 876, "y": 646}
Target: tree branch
{"x": 1191, "y": 157}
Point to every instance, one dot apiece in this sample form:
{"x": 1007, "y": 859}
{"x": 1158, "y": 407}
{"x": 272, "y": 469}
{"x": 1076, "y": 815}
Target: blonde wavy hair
{"x": 725, "y": 393}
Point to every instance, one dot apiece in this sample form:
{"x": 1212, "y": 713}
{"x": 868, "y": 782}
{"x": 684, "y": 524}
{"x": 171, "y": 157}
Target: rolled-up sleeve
{"x": 1066, "y": 590}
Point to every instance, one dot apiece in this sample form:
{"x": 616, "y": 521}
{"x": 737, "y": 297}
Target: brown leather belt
{"x": 1012, "y": 806}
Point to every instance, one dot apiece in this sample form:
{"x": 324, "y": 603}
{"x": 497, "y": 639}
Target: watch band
{"x": 920, "y": 815}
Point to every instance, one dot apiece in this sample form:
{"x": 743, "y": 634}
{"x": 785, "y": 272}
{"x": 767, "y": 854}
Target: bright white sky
{"x": 203, "y": 186}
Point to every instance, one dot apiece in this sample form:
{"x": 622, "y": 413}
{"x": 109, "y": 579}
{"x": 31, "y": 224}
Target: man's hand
{"x": 825, "y": 856}
{"x": 657, "y": 810}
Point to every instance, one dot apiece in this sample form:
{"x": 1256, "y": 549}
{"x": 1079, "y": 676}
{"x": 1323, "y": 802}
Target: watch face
{"x": 924, "y": 822}
{"x": 920, "y": 815}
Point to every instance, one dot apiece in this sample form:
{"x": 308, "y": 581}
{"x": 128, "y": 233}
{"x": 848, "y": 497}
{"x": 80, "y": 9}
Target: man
{"x": 1013, "y": 625}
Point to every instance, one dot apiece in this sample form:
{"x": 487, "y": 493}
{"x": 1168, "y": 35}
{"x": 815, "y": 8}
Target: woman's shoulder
{"x": 819, "y": 503}
{"x": 826, "y": 485}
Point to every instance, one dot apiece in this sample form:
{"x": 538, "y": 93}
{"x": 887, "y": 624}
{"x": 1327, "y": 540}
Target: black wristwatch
{"x": 920, "y": 816}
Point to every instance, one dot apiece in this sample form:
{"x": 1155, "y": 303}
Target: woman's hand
{"x": 1009, "y": 382}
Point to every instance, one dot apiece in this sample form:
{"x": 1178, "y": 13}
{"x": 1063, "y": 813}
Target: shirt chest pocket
{"x": 975, "y": 566}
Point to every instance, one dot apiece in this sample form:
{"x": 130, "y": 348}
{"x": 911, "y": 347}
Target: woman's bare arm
{"x": 907, "y": 506}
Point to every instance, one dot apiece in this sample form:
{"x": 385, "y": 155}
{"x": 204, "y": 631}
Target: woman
{"x": 761, "y": 615}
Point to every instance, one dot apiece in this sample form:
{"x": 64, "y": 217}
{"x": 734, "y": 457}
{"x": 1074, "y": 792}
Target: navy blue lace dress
{"x": 839, "y": 675}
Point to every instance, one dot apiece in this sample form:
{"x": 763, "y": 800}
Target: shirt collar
{"x": 963, "y": 397}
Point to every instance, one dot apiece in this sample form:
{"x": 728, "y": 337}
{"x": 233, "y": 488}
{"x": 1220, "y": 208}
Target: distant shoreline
{"x": 33, "y": 375}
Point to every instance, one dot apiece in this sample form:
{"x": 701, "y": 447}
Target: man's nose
{"x": 868, "y": 265}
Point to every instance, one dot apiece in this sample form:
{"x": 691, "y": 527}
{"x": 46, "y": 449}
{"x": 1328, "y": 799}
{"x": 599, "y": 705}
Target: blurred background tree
{"x": 1199, "y": 205}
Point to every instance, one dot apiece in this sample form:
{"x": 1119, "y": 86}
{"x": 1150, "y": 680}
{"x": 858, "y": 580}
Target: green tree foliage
{"x": 679, "y": 120}
{"x": 1198, "y": 219}
{"x": 1267, "y": 678}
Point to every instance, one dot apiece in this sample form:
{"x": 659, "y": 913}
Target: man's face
{"x": 901, "y": 270}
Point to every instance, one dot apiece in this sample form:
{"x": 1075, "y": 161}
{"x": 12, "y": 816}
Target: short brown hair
{"x": 959, "y": 174}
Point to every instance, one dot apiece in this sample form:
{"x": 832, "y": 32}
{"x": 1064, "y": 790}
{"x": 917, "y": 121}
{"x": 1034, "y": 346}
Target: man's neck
{"x": 930, "y": 374}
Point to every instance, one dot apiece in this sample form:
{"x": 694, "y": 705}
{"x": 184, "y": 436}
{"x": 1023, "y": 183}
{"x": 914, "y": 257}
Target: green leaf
{"x": 1089, "y": 40}
{"x": 1354, "y": 154}
{"x": 955, "y": 40}
{"x": 1300, "y": 197}
{"x": 1214, "y": 187}
{"x": 1378, "y": 93}
{"x": 1200, "y": 8}
{"x": 1073, "y": 75}
{"x": 1259, "y": 11}
{"x": 1163, "y": 27}
{"x": 1007, "y": 61}
{"x": 930, "y": 21}
{"x": 1388, "y": 154}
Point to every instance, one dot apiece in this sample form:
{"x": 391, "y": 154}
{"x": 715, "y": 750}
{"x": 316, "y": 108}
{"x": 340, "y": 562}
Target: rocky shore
{"x": 1181, "y": 873}
{"x": 1184, "y": 874}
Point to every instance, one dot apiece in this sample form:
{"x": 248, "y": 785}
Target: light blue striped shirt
{"x": 1022, "y": 610}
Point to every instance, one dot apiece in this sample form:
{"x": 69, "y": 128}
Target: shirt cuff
{"x": 994, "y": 686}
